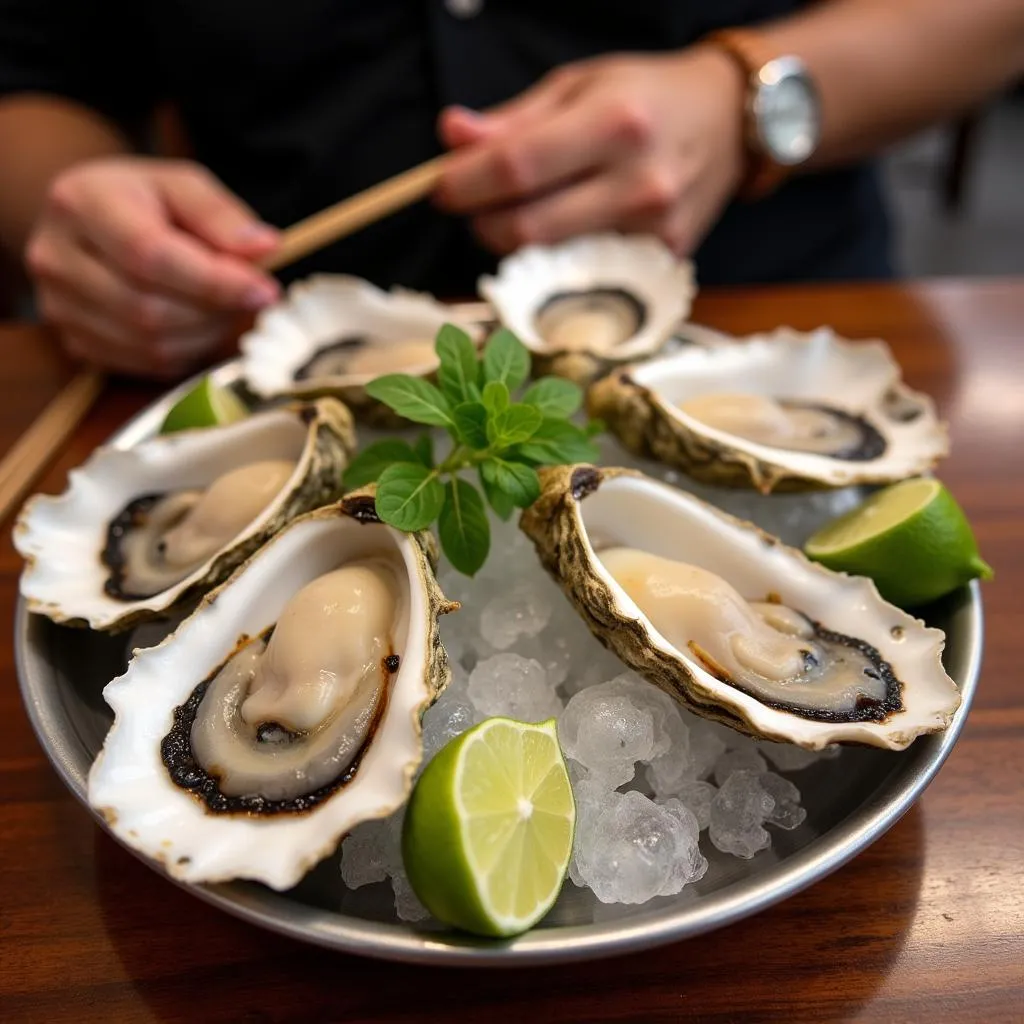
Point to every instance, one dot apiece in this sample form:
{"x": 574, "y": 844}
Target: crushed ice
{"x": 649, "y": 777}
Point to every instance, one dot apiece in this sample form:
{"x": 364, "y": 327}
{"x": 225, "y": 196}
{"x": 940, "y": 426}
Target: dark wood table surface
{"x": 926, "y": 925}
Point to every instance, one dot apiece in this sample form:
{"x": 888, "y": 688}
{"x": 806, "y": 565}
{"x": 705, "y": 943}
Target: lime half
{"x": 489, "y": 828}
{"x": 912, "y": 539}
{"x": 206, "y": 405}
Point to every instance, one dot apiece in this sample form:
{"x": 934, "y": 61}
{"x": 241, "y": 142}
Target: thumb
{"x": 459, "y": 126}
{"x": 198, "y": 202}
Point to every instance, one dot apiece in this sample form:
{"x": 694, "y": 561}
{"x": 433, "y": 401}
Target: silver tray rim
{"x": 403, "y": 942}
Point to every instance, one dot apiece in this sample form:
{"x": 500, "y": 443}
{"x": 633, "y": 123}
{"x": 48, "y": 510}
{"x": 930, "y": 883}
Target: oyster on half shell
{"x": 587, "y": 305}
{"x": 285, "y": 709}
{"x": 141, "y": 532}
{"x": 786, "y": 411}
{"x": 732, "y": 623}
{"x": 333, "y": 334}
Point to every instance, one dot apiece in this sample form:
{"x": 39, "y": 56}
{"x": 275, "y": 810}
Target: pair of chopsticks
{"x": 43, "y": 440}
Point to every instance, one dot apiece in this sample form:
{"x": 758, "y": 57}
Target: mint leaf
{"x": 471, "y": 424}
{"x": 595, "y": 427}
{"x": 554, "y": 396}
{"x": 556, "y": 441}
{"x": 506, "y": 359}
{"x": 458, "y": 371}
{"x": 463, "y": 527}
{"x": 412, "y": 397}
{"x": 516, "y": 424}
{"x": 519, "y": 482}
{"x": 424, "y": 450}
{"x": 495, "y": 396}
{"x": 373, "y": 460}
{"x": 409, "y": 496}
{"x": 496, "y": 497}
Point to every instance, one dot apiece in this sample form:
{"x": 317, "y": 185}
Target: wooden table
{"x": 926, "y": 925}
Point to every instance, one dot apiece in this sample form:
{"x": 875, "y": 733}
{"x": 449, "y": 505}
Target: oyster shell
{"x": 753, "y": 413}
{"x": 333, "y": 334}
{"x": 228, "y": 759}
{"x": 592, "y": 303}
{"x": 152, "y": 518}
{"x": 752, "y": 634}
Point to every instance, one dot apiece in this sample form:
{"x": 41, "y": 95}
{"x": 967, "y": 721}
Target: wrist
{"x": 780, "y": 112}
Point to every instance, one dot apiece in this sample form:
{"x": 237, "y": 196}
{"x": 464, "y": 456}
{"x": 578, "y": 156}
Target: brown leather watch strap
{"x": 763, "y": 174}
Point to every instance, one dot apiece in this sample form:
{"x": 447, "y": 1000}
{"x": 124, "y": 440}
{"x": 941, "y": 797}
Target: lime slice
{"x": 206, "y": 405}
{"x": 912, "y": 539}
{"x": 489, "y": 827}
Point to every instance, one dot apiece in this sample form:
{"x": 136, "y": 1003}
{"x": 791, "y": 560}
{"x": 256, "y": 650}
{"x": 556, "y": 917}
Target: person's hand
{"x": 144, "y": 265}
{"x": 630, "y": 143}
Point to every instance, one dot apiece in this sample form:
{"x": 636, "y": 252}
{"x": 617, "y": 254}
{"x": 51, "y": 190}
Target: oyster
{"x": 785, "y": 411}
{"x": 141, "y": 532}
{"x": 333, "y": 334}
{"x": 285, "y": 709}
{"x": 732, "y": 623}
{"x": 591, "y": 303}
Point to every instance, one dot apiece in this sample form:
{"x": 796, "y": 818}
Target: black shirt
{"x": 295, "y": 104}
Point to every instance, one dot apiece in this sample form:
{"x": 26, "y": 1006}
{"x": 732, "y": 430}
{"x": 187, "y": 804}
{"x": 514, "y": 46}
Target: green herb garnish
{"x": 499, "y": 438}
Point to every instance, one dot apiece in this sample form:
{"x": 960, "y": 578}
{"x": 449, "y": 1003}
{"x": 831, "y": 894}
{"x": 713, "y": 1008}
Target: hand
{"x": 144, "y": 265}
{"x": 631, "y": 143}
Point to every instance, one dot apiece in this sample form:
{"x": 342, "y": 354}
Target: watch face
{"x": 786, "y": 109}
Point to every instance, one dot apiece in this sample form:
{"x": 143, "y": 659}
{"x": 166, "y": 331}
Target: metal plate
{"x": 850, "y": 801}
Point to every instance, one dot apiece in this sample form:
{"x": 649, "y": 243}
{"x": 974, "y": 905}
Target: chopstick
{"x": 43, "y": 440}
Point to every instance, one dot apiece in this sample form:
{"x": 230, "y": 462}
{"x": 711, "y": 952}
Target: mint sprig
{"x": 499, "y": 438}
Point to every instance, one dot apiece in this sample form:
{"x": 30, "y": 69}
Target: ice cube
{"x": 632, "y": 849}
{"x": 366, "y": 854}
{"x": 609, "y": 727}
{"x": 787, "y": 812}
{"x": 523, "y": 610}
{"x": 746, "y": 758}
{"x": 788, "y": 757}
{"x": 738, "y": 812}
{"x": 697, "y": 796}
{"x": 507, "y": 684}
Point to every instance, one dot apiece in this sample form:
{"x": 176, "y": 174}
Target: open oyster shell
{"x": 592, "y": 303}
{"x": 63, "y": 538}
{"x": 183, "y": 825}
{"x": 583, "y": 510}
{"x": 301, "y": 346}
{"x": 859, "y": 381}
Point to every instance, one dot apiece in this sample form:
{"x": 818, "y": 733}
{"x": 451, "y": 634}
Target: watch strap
{"x": 749, "y": 50}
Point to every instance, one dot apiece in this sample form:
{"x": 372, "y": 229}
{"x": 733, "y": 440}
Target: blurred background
{"x": 956, "y": 193}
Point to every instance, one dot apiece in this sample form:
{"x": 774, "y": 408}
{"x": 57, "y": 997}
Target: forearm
{"x": 40, "y": 136}
{"x": 888, "y": 67}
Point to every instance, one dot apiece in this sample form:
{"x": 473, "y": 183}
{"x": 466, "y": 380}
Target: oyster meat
{"x": 780, "y": 411}
{"x": 285, "y": 709}
{"x": 592, "y": 303}
{"x": 732, "y": 623}
{"x": 333, "y": 334}
{"x": 140, "y": 533}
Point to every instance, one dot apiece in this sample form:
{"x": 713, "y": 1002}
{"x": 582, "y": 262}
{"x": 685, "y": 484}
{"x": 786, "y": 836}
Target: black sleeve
{"x": 91, "y": 51}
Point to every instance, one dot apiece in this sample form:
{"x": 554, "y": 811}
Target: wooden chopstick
{"x": 43, "y": 440}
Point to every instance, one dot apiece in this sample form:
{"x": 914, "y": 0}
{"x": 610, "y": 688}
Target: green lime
{"x": 912, "y": 539}
{"x": 206, "y": 405}
{"x": 489, "y": 828}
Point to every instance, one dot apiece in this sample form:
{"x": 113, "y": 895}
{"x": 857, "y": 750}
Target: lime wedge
{"x": 489, "y": 828}
{"x": 912, "y": 539}
{"x": 206, "y": 405}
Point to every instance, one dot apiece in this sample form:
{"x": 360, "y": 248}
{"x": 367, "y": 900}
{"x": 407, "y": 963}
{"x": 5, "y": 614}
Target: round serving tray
{"x": 850, "y": 801}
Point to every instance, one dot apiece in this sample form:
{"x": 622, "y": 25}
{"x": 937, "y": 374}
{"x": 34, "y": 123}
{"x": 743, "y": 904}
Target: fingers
{"x": 197, "y": 201}
{"x": 632, "y": 196}
{"x": 133, "y": 219}
{"x": 90, "y": 334}
{"x": 57, "y": 259}
{"x": 554, "y": 151}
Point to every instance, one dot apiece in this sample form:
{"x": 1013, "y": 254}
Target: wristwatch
{"x": 782, "y": 113}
